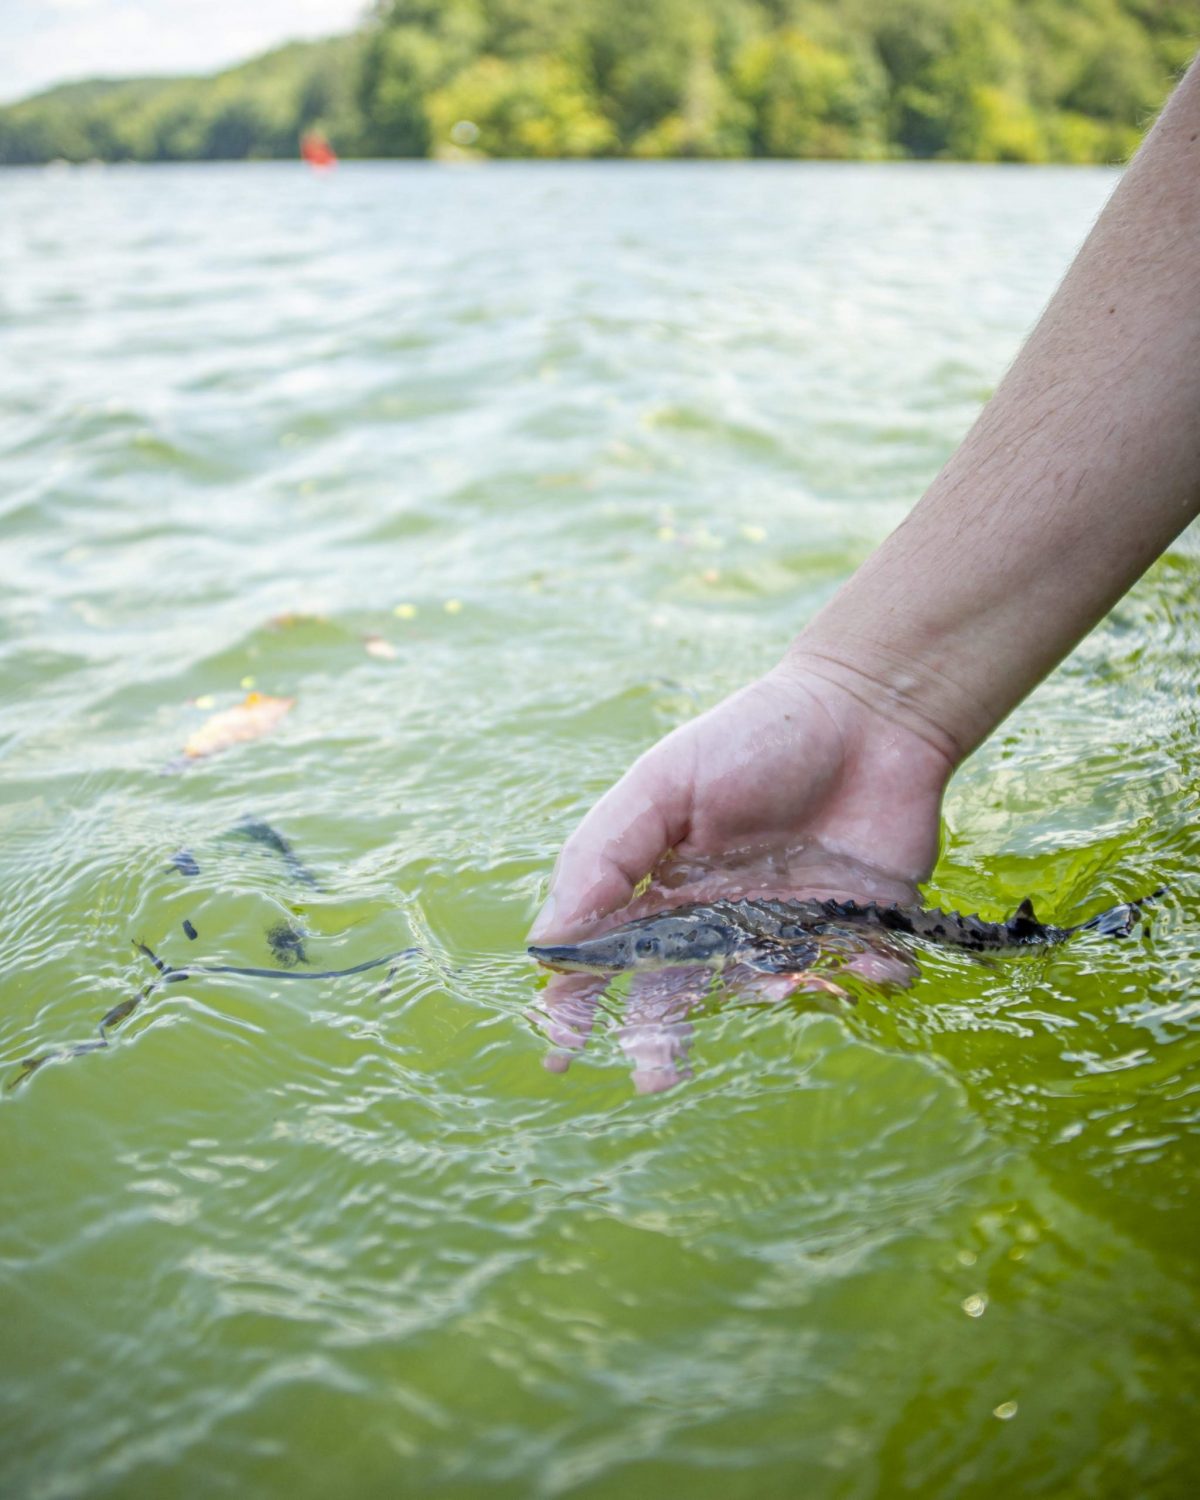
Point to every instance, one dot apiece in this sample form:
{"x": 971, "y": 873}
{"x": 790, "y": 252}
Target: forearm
{"x": 1079, "y": 472}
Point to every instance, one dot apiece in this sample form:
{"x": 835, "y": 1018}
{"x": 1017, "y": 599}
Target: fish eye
{"x": 645, "y": 947}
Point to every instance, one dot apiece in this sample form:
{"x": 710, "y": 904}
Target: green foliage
{"x": 412, "y": 52}
{"x": 537, "y": 106}
{"x": 811, "y": 100}
{"x": 980, "y": 80}
{"x": 702, "y": 114}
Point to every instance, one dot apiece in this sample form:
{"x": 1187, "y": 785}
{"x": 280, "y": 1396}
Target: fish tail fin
{"x": 149, "y": 953}
{"x": 1119, "y": 921}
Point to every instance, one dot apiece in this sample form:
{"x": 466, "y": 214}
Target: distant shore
{"x": 984, "y": 81}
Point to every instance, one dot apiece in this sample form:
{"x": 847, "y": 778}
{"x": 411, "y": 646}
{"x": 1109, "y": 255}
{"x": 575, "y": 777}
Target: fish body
{"x": 260, "y": 832}
{"x": 786, "y": 936}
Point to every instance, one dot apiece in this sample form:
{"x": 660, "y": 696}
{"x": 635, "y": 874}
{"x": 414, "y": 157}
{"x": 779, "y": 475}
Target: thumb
{"x": 618, "y": 843}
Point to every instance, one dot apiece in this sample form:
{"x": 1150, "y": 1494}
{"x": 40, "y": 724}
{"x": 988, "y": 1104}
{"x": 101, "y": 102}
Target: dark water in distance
{"x": 585, "y": 445}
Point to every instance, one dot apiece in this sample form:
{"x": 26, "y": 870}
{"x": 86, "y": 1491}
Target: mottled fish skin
{"x": 787, "y": 935}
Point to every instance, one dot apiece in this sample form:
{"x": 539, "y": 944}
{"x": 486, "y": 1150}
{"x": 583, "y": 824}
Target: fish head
{"x": 657, "y": 942}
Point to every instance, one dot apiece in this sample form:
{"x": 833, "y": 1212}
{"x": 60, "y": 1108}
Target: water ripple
{"x": 502, "y": 474}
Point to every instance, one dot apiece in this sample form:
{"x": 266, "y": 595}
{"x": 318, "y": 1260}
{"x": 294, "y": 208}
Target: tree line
{"x": 972, "y": 80}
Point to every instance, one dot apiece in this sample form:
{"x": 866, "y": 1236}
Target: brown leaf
{"x": 255, "y": 716}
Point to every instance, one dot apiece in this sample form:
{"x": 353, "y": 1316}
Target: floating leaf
{"x": 377, "y": 646}
{"x": 255, "y": 716}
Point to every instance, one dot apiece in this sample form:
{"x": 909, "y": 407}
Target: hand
{"x": 796, "y": 785}
{"x": 654, "y": 1031}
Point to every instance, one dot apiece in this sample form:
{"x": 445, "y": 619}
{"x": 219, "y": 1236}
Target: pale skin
{"x": 827, "y": 774}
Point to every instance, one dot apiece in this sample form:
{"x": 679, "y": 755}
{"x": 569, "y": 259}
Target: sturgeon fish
{"x": 786, "y": 936}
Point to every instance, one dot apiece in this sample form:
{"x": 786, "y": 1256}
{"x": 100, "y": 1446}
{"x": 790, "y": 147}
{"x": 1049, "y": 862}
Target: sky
{"x": 43, "y": 42}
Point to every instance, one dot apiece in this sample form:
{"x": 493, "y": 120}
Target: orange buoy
{"x": 316, "y": 150}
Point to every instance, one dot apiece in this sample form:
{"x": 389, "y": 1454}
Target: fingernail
{"x": 544, "y": 920}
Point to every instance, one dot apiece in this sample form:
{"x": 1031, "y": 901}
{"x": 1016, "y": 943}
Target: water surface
{"x": 584, "y": 446}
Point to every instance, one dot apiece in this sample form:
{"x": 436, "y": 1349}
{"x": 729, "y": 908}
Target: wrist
{"x": 897, "y": 692}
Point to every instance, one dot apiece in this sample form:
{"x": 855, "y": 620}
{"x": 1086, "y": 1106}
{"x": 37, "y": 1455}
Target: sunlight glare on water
{"x": 500, "y": 474}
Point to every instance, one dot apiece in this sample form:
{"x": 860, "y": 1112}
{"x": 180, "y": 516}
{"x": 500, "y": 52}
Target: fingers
{"x": 567, "y": 1016}
{"x": 617, "y": 844}
{"x": 893, "y": 970}
{"x": 656, "y": 1035}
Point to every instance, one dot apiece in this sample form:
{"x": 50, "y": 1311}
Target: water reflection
{"x": 279, "y": 1213}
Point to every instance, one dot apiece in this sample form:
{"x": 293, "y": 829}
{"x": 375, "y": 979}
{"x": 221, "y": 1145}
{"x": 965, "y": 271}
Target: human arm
{"x": 1078, "y": 473}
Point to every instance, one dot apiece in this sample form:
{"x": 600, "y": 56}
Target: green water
{"x": 607, "y": 436}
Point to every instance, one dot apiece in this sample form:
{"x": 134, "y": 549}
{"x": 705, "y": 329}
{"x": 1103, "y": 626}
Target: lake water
{"x": 583, "y": 447}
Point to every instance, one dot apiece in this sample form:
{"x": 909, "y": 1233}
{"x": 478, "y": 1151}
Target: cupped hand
{"x": 799, "y": 784}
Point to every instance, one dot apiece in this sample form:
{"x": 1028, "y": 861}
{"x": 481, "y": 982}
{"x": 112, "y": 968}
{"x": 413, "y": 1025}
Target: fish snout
{"x": 556, "y": 955}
